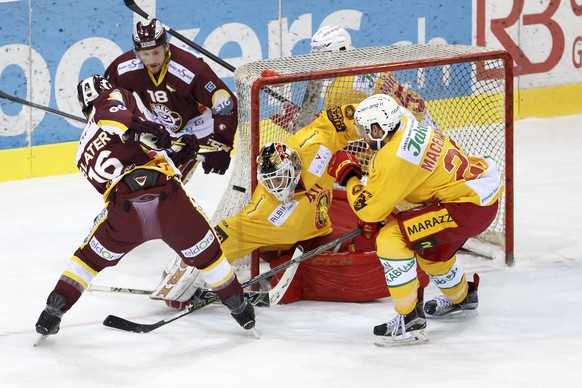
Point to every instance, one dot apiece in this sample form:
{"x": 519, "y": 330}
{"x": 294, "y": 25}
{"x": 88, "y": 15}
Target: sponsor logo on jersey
{"x": 200, "y": 246}
{"x": 336, "y": 117}
{"x": 181, "y": 72}
{"x": 414, "y": 142}
{"x": 131, "y": 65}
{"x": 103, "y": 252}
{"x": 401, "y": 274}
{"x": 222, "y": 103}
{"x": 220, "y": 233}
{"x": 320, "y": 160}
{"x": 210, "y": 86}
{"x": 282, "y": 213}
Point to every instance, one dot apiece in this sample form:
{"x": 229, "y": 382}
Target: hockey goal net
{"x": 464, "y": 91}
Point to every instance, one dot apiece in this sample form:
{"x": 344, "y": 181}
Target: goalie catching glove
{"x": 342, "y": 166}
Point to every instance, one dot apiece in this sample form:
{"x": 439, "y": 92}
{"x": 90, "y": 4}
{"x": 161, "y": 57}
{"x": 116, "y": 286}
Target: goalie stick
{"x": 256, "y": 298}
{"x": 123, "y": 324}
{"x": 45, "y": 108}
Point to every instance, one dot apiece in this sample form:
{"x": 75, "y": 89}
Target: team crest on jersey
{"x": 361, "y": 200}
{"x": 171, "y": 120}
{"x": 336, "y": 117}
{"x": 323, "y": 203}
{"x": 350, "y": 111}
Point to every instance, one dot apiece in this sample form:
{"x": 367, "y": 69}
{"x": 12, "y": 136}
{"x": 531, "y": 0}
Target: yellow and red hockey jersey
{"x": 420, "y": 165}
{"x": 268, "y": 224}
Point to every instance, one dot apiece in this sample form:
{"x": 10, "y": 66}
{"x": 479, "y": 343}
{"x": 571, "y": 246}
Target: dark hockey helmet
{"x": 149, "y": 34}
{"x": 89, "y": 89}
{"x": 279, "y": 170}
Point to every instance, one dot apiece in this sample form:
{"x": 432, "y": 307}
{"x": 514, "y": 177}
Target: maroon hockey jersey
{"x": 185, "y": 90}
{"x": 106, "y": 152}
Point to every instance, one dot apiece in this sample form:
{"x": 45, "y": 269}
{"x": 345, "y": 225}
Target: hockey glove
{"x": 217, "y": 161}
{"x": 342, "y": 166}
{"x": 151, "y": 135}
{"x": 366, "y": 241}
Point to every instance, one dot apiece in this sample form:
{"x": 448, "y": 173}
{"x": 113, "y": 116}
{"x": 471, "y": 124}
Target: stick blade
{"x": 125, "y": 325}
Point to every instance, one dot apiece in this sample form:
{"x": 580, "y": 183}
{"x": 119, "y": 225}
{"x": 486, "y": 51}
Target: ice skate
{"x": 441, "y": 307}
{"x": 402, "y": 330}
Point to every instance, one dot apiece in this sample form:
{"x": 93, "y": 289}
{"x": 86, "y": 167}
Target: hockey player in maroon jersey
{"x": 129, "y": 161}
{"x": 181, "y": 90}
{"x": 458, "y": 196}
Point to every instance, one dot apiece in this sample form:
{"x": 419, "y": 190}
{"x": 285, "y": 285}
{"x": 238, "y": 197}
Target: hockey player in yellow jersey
{"x": 356, "y": 88}
{"x": 291, "y": 202}
{"x": 459, "y": 197}
{"x": 289, "y": 205}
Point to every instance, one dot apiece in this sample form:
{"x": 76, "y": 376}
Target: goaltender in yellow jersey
{"x": 292, "y": 202}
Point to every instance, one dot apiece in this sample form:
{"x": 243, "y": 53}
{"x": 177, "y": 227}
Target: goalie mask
{"x": 279, "y": 170}
{"x": 378, "y": 109}
{"x": 89, "y": 89}
{"x": 149, "y": 34}
{"x": 330, "y": 39}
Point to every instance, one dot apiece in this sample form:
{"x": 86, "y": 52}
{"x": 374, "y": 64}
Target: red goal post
{"x": 464, "y": 91}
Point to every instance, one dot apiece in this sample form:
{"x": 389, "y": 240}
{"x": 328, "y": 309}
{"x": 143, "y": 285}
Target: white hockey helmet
{"x": 379, "y": 109}
{"x": 89, "y": 89}
{"x": 331, "y": 39}
{"x": 279, "y": 170}
{"x": 149, "y": 34}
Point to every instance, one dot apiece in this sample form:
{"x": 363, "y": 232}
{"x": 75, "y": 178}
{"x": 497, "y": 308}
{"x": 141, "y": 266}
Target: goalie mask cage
{"x": 467, "y": 91}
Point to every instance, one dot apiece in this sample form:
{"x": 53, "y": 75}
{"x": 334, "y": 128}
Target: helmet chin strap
{"x": 378, "y": 140}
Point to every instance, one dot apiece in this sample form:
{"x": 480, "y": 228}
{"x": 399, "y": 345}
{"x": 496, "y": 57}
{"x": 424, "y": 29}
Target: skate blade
{"x": 459, "y": 315}
{"x": 410, "y": 338}
{"x": 39, "y": 339}
{"x": 254, "y": 332}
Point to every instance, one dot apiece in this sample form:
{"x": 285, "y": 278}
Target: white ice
{"x": 528, "y": 332}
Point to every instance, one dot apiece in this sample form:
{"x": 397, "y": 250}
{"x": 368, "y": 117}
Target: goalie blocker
{"x": 342, "y": 276}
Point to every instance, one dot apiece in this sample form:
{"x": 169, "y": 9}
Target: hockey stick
{"x": 256, "y": 298}
{"x": 123, "y": 324}
{"x": 135, "y": 8}
{"x": 45, "y": 108}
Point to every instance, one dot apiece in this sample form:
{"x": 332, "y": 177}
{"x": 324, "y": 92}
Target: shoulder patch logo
{"x": 350, "y": 111}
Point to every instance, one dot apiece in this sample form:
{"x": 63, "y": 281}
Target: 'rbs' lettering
{"x": 200, "y": 246}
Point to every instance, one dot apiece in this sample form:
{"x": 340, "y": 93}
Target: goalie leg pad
{"x": 180, "y": 282}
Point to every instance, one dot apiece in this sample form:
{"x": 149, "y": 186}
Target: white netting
{"x": 460, "y": 90}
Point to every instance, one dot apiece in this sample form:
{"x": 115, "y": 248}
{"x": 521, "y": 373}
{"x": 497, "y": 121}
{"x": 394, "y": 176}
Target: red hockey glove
{"x": 366, "y": 241}
{"x": 156, "y": 136}
{"x": 343, "y": 166}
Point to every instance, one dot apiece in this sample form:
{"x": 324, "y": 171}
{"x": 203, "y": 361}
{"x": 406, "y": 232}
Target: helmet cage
{"x": 279, "y": 170}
